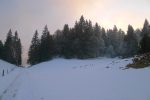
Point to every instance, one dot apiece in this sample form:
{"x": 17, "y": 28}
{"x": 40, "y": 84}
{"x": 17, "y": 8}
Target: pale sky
{"x": 28, "y": 15}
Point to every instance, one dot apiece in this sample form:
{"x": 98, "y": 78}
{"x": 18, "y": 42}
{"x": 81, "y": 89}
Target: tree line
{"x": 84, "y": 40}
{"x": 11, "y": 50}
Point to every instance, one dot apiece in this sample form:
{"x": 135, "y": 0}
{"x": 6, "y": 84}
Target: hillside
{"x": 92, "y": 79}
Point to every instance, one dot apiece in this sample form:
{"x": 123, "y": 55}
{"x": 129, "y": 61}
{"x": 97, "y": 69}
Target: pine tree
{"x": 145, "y": 44}
{"x": 89, "y": 41}
{"x": 110, "y": 51}
{"x": 76, "y": 40}
{"x": 146, "y": 28}
{"x": 17, "y": 49}
{"x": 110, "y": 41}
{"x": 19, "y": 52}
{"x": 104, "y": 36}
{"x": 66, "y": 42}
{"x": 120, "y": 41}
{"x": 99, "y": 41}
{"x": 46, "y": 46}
{"x": 34, "y": 53}
{"x": 8, "y": 48}
{"x": 138, "y": 34}
{"x": 131, "y": 42}
{"x": 145, "y": 41}
{"x": 1, "y": 50}
{"x": 58, "y": 38}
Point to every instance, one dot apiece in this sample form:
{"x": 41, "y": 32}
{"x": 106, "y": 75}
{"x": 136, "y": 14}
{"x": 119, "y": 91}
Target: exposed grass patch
{"x": 137, "y": 65}
{"x": 140, "y": 61}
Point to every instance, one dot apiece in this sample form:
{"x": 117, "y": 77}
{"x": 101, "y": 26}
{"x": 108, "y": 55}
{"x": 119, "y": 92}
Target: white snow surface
{"x": 62, "y": 79}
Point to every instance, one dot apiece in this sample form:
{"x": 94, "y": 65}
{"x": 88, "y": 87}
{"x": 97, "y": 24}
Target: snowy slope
{"x": 10, "y": 74}
{"x": 5, "y": 66}
{"x": 92, "y": 79}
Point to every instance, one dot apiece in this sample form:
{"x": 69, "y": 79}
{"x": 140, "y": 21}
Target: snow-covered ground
{"x": 8, "y": 73}
{"x": 92, "y": 79}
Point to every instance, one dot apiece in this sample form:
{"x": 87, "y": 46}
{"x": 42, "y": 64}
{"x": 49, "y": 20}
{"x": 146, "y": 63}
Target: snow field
{"x": 92, "y": 79}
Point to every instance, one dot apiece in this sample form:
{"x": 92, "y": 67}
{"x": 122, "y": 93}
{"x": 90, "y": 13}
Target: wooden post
{"x": 3, "y": 73}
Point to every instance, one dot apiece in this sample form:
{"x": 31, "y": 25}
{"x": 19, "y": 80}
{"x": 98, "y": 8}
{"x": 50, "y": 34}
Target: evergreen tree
{"x": 58, "y": 38}
{"x": 138, "y": 34}
{"x": 99, "y": 41}
{"x": 34, "y": 52}
{"x": 110, "y": 41}
{"x": 145, "y": 41}
{"x": 145, "y": 44}
{"x": 76, "y": 40}
{"x": 131, "y": 42}
{"x": 110, "y": 51}
{"x": 66, "y": 42}
{"x": 17, "y": 48}
{"x": 46, "y": 46}
{"x": 120, "y": 38}
{"x": 80, "y": 38}
{"x": 104, "y": 36}
{"x": 88, "y": 44}
{"x": 8, "y": 48}
{"x": 146, "y": 28}
{"x": 1, "y": 50}
{"x": 19, "y": 52}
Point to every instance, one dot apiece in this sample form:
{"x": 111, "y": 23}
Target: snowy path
{"x": 80, "y": 80}
{"x": 20, "y": 88}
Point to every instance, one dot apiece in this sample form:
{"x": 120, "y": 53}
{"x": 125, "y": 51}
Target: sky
{"x": 26, "y": 16}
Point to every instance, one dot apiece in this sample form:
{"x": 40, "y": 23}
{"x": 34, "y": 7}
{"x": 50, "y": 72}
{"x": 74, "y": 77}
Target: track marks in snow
{"x": 84, "y": 66}
{"x": 11, "y": 91}
{"x": 21, "y": 87}
{"x": 109, "y": 65}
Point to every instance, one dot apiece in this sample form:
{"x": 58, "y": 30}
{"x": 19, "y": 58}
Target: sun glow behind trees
{"x": 25, "y": 15}
{"x": 86, "y": 40}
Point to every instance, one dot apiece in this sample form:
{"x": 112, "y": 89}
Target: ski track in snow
{"x": 20, "y": 88}
{"x": 93, "y": 79}
{"x": 11, "y": 91}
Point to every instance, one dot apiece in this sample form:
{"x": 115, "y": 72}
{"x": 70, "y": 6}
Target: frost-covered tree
{"x": 131, "y": 42}
{"x": 116, "y": 37}
{"x": 110, "y": 51}
{"x": 99, "y": 41}
{"x": 119, "y": 44}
